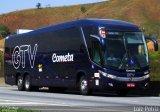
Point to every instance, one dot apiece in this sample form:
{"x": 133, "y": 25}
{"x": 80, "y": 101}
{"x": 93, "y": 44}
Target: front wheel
{"x": 84, "y": 89}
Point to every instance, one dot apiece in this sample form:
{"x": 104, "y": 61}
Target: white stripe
{"x": 21, "y": 102}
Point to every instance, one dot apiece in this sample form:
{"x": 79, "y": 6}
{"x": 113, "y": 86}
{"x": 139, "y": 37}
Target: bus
{"x": 85, "y": 54}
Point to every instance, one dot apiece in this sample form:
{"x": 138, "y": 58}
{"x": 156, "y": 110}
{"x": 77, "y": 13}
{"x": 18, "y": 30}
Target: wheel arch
{"x": 21, "y": 74}
{"x": 17, "y": 75}
{"x": 25, "y": 74}
{"x": 79, "y": 75}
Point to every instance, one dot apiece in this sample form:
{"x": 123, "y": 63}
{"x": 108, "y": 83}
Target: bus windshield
{"x": 125, "y": 50}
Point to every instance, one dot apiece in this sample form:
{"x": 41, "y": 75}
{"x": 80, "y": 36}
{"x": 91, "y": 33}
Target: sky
{"x": 14, "y": 5}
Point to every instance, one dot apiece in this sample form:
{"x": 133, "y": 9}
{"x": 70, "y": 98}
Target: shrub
{"x": 83, "y": 9}
{"x": 4, "y": 30}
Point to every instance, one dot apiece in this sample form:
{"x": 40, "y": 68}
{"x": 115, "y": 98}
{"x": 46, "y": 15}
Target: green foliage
{"x": 155, "y": 56}
{"x": 38, "y": 5}
{"x": 83, "y": 9}
{"x": 13, "y": 33}
{"x": 1, "y": 64}
{"x": 155, "y": 66}
{"x": 4, "y": 31}
{"x": 152, "y": 28}
{"x": 15, "y": 109}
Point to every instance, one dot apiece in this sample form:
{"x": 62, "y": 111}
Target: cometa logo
{"x": 62, "y": 58}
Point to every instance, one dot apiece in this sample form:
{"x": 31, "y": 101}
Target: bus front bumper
{"x": 128, "y": 83}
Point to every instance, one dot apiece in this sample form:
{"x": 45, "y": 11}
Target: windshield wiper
{"x": 125, "y": 58}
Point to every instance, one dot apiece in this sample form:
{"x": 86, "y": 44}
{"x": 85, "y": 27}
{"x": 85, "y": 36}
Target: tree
{"x": 83, "y": 9}
{"x": 4, "y": 30}
{"x": 38, "y": 5}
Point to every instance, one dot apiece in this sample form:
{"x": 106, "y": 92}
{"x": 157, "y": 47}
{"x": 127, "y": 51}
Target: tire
{"x": 27, "y": 83}
{"x": 20, "y": 83}
{"x": 83, "y": 85}
{"x": 122, "y": 92}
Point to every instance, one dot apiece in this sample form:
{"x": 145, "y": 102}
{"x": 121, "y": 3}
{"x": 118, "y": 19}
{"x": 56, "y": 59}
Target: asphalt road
{"x": 74, "y": 102}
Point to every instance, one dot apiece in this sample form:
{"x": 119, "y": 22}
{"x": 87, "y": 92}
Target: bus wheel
{"x": 27, "y": 83}
{"x": 122, "y": 92}
{"x": 84, "y": 89}
{"x": 20, "y": 83}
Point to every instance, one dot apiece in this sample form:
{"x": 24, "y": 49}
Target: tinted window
{"x": 61, "y": 40}
{"x": 88, "y": 31}
{"x": 69, "y": 39}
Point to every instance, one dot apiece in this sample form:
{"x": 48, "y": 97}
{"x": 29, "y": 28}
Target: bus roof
{"x": 109, "y": 24}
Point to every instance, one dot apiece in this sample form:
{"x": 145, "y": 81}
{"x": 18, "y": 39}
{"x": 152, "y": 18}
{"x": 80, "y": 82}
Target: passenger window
{"x": 69, "y": 39}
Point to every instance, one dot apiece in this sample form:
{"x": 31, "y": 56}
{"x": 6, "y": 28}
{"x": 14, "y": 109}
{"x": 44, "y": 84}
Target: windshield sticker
{"x": 19, "y": 53}
{"x": 62, "y": 58}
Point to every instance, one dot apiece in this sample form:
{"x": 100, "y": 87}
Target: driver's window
{"x": 96, "y": 56}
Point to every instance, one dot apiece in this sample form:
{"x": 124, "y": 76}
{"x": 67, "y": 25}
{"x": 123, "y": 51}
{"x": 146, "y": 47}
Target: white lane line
{"x": 31, "y": 104}
{"x": 14, "y": 103}
{"x": 10, "y": 100}
{"x": 80, "y": 110}
{"x": 23, "y": 102}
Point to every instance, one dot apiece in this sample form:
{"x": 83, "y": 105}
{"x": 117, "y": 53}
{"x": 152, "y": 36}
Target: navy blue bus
{"x": 88, "y": 54}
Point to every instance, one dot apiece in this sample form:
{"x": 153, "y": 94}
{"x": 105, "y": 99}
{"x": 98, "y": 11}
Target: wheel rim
{"x": 19, "y": 81}
{"x": 27, "y": 83}
{"x": 84, "y": 86}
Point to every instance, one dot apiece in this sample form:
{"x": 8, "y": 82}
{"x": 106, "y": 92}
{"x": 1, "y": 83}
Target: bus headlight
{"x": 146, "y": 76}
{"x": 106, "y": 74}
{"x": 111, "y": 76}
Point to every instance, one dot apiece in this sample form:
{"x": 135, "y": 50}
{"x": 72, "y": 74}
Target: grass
{"x": 15, "y": 109}
{"x": 155, "y": 66}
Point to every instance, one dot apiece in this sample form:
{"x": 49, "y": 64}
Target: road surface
{"x": 74, "y": 102}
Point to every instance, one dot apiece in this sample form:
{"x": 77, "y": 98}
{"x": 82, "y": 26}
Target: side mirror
{"x": 155, "y": 42}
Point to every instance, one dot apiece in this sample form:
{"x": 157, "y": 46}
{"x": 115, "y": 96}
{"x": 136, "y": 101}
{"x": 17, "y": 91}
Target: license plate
{"x": 130, "y": 84}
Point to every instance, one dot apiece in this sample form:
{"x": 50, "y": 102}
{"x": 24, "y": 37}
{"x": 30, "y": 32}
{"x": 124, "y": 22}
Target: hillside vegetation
{"x": 144, "y": 13}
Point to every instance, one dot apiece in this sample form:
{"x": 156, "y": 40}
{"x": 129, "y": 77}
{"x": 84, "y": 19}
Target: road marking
{"x": 23, "y": 102}
{"x": 6, "y": 100}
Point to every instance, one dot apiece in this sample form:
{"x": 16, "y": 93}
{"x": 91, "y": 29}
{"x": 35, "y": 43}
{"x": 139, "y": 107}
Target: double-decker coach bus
{"x": 87, "y": 54}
